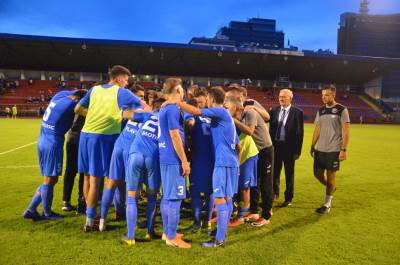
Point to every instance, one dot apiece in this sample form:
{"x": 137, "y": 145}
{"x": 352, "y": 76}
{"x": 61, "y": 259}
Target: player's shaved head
{"x": 235, "y": 102}
{"x": 171, "y": 85}
{"x": 238, "y": 88}
{"x": 234, "y": 105}
{"x": 233, "y": 93}
{"x": 330, "y": 88}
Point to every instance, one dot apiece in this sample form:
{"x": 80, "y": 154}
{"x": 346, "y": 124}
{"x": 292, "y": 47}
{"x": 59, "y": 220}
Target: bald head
{"x": 285, "y": 97}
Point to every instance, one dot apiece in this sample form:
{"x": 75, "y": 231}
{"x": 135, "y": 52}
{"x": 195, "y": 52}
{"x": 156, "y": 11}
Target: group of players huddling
{"x": 201, "y": 136}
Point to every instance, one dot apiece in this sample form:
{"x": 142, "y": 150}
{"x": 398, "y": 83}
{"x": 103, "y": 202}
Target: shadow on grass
{"x": 298, "y": 223}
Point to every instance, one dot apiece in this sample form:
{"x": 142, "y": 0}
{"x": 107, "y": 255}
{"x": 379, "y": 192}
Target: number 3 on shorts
{"x": 180, "y": 190}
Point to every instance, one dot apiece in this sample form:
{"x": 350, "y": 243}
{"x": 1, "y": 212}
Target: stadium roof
{"x": 97, "y": 55}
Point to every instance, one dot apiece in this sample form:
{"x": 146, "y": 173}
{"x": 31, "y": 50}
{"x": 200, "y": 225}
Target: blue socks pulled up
{"x": 222, "y": 221}
{"x": 131, "y": 216}
{"x": 173, "y": 218}
{"x": 36, "y": 200}
{"x": 46, "y": 191}
{"x": 151, "y": 212}
{"x": 106, "y": 200}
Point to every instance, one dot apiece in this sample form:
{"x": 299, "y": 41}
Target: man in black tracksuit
{"x": 72, "y": 146}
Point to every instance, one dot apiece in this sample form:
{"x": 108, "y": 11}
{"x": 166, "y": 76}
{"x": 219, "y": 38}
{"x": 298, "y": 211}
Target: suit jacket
{"x": 294, "y": 128}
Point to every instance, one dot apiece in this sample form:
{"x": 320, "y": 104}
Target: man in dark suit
{"x": 286, "y": 130}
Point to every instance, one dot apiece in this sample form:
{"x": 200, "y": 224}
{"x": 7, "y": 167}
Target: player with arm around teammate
{"x": 102, "y": 107}
{"x": 226, "y": 149}
{"x": 174, "y": 165}
{"x": 202, "y": 162}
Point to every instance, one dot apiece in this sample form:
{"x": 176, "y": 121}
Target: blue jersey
{"x": 224, "y": 136}
{"x": 127, "y": 135}
{"x": 59, "y": 115}
{"x": 170, "y": 118}
{"x": 202, "y": 148}
{"x": 129, "y": 130}
{"x": 146, "y": 140}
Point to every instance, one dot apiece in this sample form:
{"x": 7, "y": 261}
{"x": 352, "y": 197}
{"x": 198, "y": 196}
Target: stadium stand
{"x": 32, "y": 97}
{"x": 309, "y": 101}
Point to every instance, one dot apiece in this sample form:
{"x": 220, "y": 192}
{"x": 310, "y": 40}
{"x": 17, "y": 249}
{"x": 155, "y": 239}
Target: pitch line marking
{"x": 16, "y": 167}
{"x": 17, "y": 148}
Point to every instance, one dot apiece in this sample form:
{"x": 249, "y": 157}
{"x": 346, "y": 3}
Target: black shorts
{"x": 326, "y": 160}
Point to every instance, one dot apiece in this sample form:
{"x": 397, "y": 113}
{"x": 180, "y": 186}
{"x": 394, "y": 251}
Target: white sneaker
{"x": 102, "y": 225}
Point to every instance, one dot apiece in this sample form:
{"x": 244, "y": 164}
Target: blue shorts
{"x": 248, "y": 173}
{"x": 225, "y": 182}
{"x": 201, "y": 177}
{"x": 173, "y": 183}
{"x": 94, "y": 154}
{"x": 50, "y": 153}
{"x": 118, "y": 164}
{"x": 141, "y": 169}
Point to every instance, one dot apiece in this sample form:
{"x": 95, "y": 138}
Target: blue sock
{"x": 45, "y": 190}
{"x": 164, "y": 214}
{"x": 119, "y": 199}
{"x": 90, "y": 215}
{"x": 174, "y": 207}
{"x": 36, "y": 200}
{"x": 116, "y": 198}
{"x": 210, "y": 208}
{"x": 151, "y": 212}
{"x": 196, "y": 207}
{"x": 242, "y": 212}
{"x": 106, "y": 200}
{"x": 229, "y": 203}
{"x": 222, "y": 221}
{"x": 131, "y": 216}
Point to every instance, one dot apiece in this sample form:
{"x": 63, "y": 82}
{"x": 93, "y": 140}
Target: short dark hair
{"x": 135, "y": 88}
{"x": 131, "y": 83}
{"x": 218, "y": 94}
{"x": 118, "y": 70}
{"x": 192, "y": 88}
{"x": 158, "y": 102}
{"x": 193, "y": 102}
{"x": 200, "y": 92}
{"x": 80, "y": 93}
{"x": 332, "y": 88}
{"x": 169, "y": 86}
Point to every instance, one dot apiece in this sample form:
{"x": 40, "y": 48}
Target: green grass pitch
{"x": 362, "y": 228}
